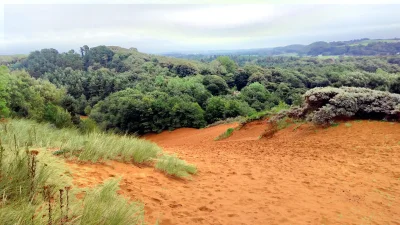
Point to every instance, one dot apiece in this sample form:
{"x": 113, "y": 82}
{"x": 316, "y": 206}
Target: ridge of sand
{"x": 340, "y": 175}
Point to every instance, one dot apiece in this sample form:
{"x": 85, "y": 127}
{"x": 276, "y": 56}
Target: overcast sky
{"x": 158, "y": 28}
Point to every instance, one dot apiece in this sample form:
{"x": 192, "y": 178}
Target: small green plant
{"x": 172, "y": 165}
{"x": 347, "y": 124}
{"x": 225, "y": 135}
{"x": 335, "y": 124}
{"x": 283, "y": 123}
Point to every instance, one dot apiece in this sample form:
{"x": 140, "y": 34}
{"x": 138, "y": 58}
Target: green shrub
{"x": 130, "y": 111}
{"x": 323, "y": 105}
{"x": 215, "y": 84}
{"x": 87, "y": 126}
{"x": 221, "y": 108}
{"x": 57, "y": 116}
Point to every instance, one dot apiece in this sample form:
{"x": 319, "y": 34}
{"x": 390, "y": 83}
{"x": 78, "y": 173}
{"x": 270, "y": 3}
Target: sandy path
{"x": 339, "y": 175}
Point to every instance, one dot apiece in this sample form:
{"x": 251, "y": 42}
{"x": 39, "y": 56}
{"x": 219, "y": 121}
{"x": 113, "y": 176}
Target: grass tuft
{"x": 335, "y": 124}
{"x": 225, "y": 135}
{"x": 104, "y": 206}
{"x": 172, "y": 165}
{"x": 94, "y": 146}
{"x": 35, "y": 184}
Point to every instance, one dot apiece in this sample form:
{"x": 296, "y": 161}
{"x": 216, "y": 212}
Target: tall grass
{"x": 22, "y": 183}
{"x": 104, "y": 206}
{"x": 172, "y": 165}
{"x": 35, "y": 186}
{"x": 93, "y": 146}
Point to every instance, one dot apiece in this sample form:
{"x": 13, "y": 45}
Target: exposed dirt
{"x": 339, "y": 175}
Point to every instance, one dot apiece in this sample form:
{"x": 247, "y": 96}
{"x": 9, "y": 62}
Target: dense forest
{"x": 126, "y": 91}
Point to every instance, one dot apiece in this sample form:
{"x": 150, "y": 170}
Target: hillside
{"x": 348, "y": 174}
{"x": 360, "y": 47}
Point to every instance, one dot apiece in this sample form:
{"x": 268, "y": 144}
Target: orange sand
{"x": 339, "y": 175}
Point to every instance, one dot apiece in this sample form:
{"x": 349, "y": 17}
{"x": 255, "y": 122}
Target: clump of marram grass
{"x": 31, "y": 177}
{"x": 226, "y": 134}
{"x": 31, "y": 181}
{"x": 104, "y": 206}
{"x": 93, "y": 146}
{"x": 172, "y": 165}
{"x": 23, "y": 174}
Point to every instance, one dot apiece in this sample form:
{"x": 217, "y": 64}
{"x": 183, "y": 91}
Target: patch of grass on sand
{"x": 94, "y": 146}
{"x": 335, "y": 124}
{"x": 226, "y": 134}
{"x": 172, "y": 165}
{"x": 36, "y": 187}
{"x": 348, "y": 124}
{"x": 104, "y": 206}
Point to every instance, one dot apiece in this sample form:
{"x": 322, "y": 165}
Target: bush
{"x": 257, "y": 96}
{"x": 57, "y": 116}
{"x": 131, "y": 111}
{"x": 215, "y": 84}
{"x": 220, "y": 108}
{"x": 87, "y": 126}
{"x": 323, "y": 105}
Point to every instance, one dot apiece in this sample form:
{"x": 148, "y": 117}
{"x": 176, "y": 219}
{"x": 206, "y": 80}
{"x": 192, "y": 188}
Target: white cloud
{"x": 159, "y": 28}
{"x": 221, "y": 16}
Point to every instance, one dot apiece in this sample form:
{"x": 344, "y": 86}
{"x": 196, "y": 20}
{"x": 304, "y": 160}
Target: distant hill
{"x": 359, "y": 47}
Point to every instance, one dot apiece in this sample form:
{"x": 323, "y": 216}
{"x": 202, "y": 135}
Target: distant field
{"x": 11, "y": 58}
{"x": 288, "y": 54}
{"x": 328, "y": 56}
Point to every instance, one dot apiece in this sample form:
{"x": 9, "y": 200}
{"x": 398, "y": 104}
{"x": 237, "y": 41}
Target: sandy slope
{"x": 339, "y": 175}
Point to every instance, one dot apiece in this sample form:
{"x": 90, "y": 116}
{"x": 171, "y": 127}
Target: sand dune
{"x": 340, "y": 175}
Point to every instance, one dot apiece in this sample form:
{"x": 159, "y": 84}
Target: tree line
{"x": 127, "y": 91}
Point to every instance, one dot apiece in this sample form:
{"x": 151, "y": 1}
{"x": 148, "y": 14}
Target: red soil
{"x": 339, "y": 175}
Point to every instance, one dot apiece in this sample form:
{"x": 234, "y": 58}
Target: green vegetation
{"x": 358, "y": 47}
{"x": 335, "y": 124}
{"x": 226, "y": 134}
{"x": 32, "y": 175}
{"x": 348, "y": 124}
{"x": 325, "y": 105}
{"x": 93, "y": 146}
{"x": 125, "y": 91}
{"x": 36, "y": 188}
{"x": 172, "y": 165}
{"x": 104, "y": 206}
{"x": 121, "y": 92}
